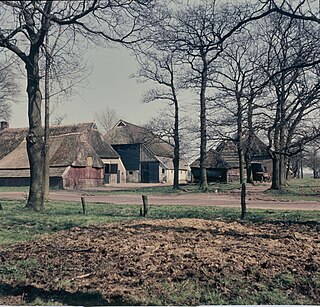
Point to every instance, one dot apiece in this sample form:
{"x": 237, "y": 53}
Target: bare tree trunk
{"x": 203, "y": 130}
{"x": 46, "y": 165}
{"x": 176, "y": 158}
{"x": 276, "y": 184}
{"x": 241, "y": 158}
{"x": 249, "y": 143}
{"x": 35, "y": 144}
{"x": 283, "y": 171}
{"x": 275, "y": 173}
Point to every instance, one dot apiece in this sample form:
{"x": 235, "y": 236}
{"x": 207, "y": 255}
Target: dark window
{"x": 163, "y": 171}
{"x": 111, "y": 168}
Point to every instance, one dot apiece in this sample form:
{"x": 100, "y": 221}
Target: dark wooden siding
{"x": 130, "y": 155}
{"x": 14, "y": 181}
{"x": 150, "y": 172}
{"x": 55, "y": 182}
{"x": 213, "y": 174}
{"x": 146, "y": 154}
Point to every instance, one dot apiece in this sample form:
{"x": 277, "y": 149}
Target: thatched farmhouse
{"x": 146, "y": 157}
{"x": 79, "y": 157}
{"x": 222, "y": 164}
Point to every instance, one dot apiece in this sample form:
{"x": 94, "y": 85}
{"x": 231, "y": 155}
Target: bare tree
{"x": 294, "y": 93}
{"x": 23, "y": 27}
{"x": 312, "y": 157}
{"x": 161, "y": 66}
{"x": 200, "y": 33}
{"x": 237, "y": 92}
{"x": 307, "y": 10}
{"x": 107, "y": 118}
{"x": 9, "y": 88}
{"x": 58, "y": 119}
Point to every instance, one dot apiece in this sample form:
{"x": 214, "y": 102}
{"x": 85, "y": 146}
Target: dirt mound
{"x": 151, "y": 261}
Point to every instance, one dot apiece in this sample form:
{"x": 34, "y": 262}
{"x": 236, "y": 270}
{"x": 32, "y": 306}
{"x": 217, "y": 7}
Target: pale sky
{"x": 109, "y": 84}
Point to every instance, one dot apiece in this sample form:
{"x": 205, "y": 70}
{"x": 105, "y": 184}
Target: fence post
{"x": 83, "y": 202}
{"x": 145, "y": 204}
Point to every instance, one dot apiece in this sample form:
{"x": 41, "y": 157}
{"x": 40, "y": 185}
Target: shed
{"x": 222, "y": 164}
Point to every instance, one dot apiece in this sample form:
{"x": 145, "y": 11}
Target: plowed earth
{"x": 140, "y": 261}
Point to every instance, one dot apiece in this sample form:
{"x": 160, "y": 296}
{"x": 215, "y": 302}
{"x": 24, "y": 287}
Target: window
{"x": 111, "y": 168}
{"x": 163, "y": 171}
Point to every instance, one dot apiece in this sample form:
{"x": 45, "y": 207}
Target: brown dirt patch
{"x": 140, "y": 260}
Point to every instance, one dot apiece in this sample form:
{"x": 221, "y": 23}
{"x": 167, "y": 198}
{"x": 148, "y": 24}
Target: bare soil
{"x": 143, "y": 261}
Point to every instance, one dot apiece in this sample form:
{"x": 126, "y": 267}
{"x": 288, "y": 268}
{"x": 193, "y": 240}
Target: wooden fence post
{"x": 145, "y": 204}
{"x": 83, "y": 202}
{"x": 243, "y": 201}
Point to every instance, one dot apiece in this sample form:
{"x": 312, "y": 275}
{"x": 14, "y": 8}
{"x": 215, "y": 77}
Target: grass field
{"x": 307, "y": 189}
{"x": 19, "y": 224}
{"x": 252, "y": 283}
{"x": 291, "y": 230}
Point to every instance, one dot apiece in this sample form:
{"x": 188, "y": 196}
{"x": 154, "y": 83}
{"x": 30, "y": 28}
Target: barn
{"x": 222, "y": 164}
{"x": 79, "y": 157}
{"x": 146, "y": 157}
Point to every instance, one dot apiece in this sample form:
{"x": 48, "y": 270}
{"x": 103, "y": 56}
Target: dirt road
{"x": 255, "y": 199}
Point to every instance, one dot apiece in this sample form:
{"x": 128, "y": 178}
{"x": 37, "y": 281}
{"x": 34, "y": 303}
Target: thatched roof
{"x": 258, "y": 148}
{"x": 168, "y": 162}
{"x": 229, "y": 153}
{"x": 10, "y": 139}
{"x": 226, "y": 154}
{"x": 69, "y": 145}
{"x": 126, "y": 133}
{"x": 213, "y": 160}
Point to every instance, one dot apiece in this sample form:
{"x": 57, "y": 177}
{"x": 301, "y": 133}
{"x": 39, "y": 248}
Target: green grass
{"x": 20, "y": 224}
{"x": 165, "y": 189}
{"x": 307, "y": 189}
{"x": 233, "y": 290}
{"x": 14, "y": 189}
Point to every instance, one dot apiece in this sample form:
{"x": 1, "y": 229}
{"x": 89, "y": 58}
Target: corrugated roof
{"x": 126, "y": 133}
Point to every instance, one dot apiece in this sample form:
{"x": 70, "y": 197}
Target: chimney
{"x": 4, "y": 125}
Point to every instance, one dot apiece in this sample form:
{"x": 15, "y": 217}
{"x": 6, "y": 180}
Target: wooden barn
{"x": 79, "y": 157}
{"x": 222, "y": 164}
{"x": 216, "y": 167}
{"x": 146, "y": 157}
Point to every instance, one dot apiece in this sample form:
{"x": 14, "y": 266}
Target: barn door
{"x": 145, "y": 172}
{"x": 150, "y": 172}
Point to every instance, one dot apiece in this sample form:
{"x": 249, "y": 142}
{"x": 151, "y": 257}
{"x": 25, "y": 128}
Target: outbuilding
{"x": 146, "y": 157}
{"x": 79, "y": 157}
